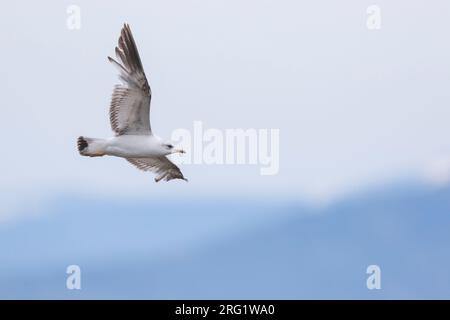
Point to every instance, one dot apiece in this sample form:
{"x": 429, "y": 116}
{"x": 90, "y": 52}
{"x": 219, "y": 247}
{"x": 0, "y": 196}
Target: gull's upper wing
{"x": 163, "y": 167}
{"x": 129, "y": 112}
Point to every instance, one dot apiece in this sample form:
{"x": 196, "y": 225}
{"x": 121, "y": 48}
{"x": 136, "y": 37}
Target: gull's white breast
{"x": 134, "y": 146}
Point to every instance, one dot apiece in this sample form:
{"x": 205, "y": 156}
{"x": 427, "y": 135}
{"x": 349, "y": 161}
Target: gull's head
{"x": 169, "y": 148}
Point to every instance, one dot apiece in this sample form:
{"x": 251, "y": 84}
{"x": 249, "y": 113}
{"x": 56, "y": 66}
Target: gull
{"x": 129, "y": 115}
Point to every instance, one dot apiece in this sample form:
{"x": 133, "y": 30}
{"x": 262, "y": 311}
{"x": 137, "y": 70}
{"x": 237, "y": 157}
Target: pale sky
{"x": 355, "y": 107}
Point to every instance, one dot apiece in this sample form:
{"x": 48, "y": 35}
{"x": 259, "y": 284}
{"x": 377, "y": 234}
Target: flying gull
{"x": 129, "y": 116}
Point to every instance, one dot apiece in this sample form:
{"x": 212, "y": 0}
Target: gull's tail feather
{"x": 91, "y": 147}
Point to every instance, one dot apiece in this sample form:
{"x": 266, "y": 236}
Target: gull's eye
{"x": 169, "y": 146}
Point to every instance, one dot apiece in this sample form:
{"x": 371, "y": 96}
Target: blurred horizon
{"x": 232, "y": 249}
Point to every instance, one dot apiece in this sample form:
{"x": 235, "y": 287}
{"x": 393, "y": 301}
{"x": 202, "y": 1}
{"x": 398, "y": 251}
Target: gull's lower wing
{"x": 163, "y": 167}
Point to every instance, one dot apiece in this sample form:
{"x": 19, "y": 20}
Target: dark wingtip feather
{"x": 128, "y": 46}
{"x": 81, "y": 144}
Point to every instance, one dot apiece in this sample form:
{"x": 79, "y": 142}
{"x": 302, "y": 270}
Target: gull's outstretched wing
{"x": 130, "y": 104}
{"x": 163, "y": 167}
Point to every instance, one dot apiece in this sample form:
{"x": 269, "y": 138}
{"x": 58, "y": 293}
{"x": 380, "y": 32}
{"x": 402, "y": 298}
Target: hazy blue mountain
{"x": 232, "y": 248}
